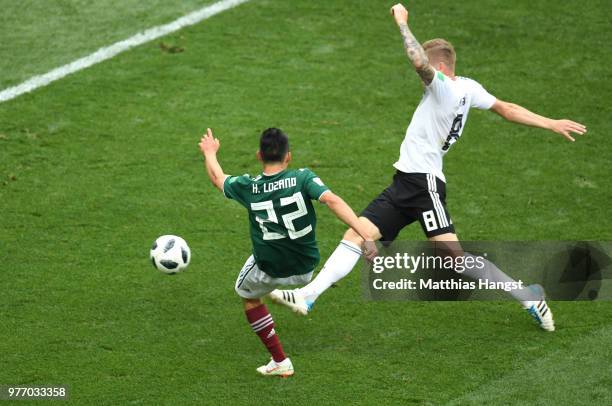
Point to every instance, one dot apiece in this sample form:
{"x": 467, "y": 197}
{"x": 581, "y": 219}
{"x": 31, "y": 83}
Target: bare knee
{"x": 448, "y": 245}
{"x": 251, "y": 303}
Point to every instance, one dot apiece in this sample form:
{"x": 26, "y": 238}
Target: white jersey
{"x": 438, "y": 122}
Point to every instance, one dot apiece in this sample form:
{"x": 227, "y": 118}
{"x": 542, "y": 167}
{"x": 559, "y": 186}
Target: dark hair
{"x": 273, "y": 145}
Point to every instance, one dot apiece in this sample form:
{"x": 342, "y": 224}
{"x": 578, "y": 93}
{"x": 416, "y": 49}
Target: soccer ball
{"x": 170, "y": 254}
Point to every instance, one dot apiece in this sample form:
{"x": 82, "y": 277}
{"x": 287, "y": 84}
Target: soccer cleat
{"x": 284, "y": 369}
{"x": 541, "y": 313}
{"x": 293, "y": 299}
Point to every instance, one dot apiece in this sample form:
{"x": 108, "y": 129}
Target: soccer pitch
{"x": 98, "y": 164}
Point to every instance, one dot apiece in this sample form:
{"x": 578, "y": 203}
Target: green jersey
{"x": 282, "y": 218}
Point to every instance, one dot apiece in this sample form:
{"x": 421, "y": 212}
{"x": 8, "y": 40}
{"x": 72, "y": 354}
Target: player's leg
{"x": 438, "y": 227}
{"x": 384, "y": 221}
{"x": 251, "y": 285}
{"x": 447, "y": 244}
{"x": 340, "y": 263}
{"x": 531, "y": 300}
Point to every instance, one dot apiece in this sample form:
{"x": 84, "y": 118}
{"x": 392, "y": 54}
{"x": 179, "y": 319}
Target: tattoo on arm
{"x": 417, "y": 55}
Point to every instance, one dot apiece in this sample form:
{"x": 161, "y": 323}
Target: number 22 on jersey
{"x": 268, "y": 207}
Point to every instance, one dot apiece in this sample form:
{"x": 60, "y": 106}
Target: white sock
{"x": 494, "y": 274}
{"x": 339, "y": 264}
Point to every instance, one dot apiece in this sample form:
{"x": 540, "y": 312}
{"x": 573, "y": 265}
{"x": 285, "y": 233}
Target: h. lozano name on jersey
{"x": 276, "y": 185}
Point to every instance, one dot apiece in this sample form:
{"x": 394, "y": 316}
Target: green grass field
{"x": 95, "y": 166}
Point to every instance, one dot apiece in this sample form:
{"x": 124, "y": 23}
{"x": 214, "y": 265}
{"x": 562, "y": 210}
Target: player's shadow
{"x": 578, "y": 273}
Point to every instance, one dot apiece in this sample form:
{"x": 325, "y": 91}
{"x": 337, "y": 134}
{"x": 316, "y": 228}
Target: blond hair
{"x": 440, "y": 50}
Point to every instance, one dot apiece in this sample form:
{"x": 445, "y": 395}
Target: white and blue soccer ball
{"x": 170, "y": 254}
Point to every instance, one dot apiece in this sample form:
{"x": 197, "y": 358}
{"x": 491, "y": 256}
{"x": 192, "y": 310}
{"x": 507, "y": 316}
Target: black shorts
{"x": 411, "y": 197}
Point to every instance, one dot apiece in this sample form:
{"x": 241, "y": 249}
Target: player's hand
{"x": 568, "y": 127}
{"x": 370, "y": 250}
{"x": 400, "y": 14}
{"x": 209, "y": 144}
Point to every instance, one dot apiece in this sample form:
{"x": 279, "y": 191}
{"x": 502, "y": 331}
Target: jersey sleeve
{"x": 235, "y": 186}
{"x": 313, "y": 185}
{"x": 481, "y": 99}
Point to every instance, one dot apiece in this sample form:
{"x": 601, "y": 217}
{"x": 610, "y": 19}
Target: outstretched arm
{"x": 415, "y": 51}
{"x": 518, "y": 114}
{"x": 344, "y": 212}
{"x": 209, "y": 146}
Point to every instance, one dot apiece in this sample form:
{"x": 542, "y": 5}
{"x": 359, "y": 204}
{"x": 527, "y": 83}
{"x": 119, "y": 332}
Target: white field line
{"x": 110, "y": 51}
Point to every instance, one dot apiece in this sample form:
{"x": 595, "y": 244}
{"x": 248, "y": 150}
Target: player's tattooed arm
{"x": 417, "y": 55}
{"x": 415, "y": 51}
